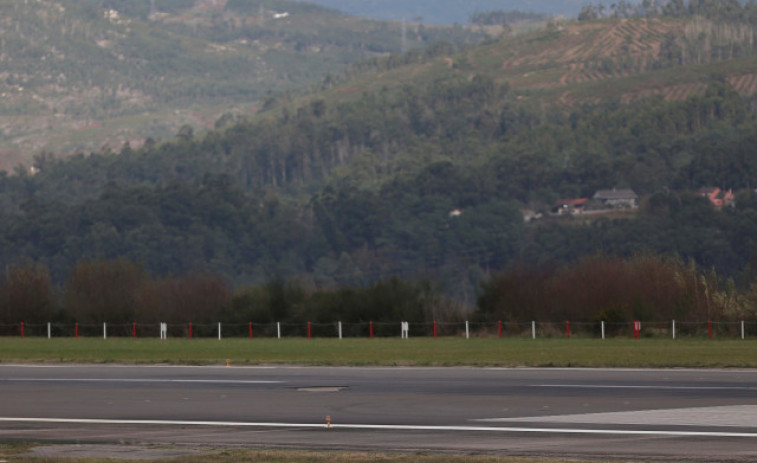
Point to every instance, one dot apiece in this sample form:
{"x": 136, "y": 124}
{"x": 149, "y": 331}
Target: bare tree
{"x": 27, "y": 295}
{"x": 104, "y": 291}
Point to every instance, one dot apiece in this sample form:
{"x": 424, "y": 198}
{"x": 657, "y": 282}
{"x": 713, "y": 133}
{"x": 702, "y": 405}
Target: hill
{"x": 80, "y": 74}
{"x": 578, "y": 62}
{"x": 420, "y": 165}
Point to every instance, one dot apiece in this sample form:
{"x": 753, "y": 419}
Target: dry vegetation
{"x": 17, "y": 453}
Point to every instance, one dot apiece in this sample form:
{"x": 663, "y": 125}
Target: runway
{"x": 690, "y": 414}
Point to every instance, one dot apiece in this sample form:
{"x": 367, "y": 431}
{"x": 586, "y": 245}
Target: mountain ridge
{"x": 145, "y": 87}
{"x": 79, "y": 75}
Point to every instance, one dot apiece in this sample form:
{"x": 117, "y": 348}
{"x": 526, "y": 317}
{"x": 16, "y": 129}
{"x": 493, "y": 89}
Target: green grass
{"x": 478, "y": 352}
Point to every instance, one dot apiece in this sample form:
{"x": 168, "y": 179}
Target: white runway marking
{"x": 370, "y": 427}
{"x": 744, "y": 416}
{"x": 664, "y": 388}
{"x": 126, "y": 380}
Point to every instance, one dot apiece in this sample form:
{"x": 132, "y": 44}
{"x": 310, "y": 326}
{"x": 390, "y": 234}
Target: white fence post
{"x": 340, "y": 330}
{"x": 674, "y": 329}
{"x": 105, "y": 330}
{"x": 533, "y": 329}
{"x": 603, "y": 330}
{"x": 219, "y": 331}
{"x": 48, "y": 331}
{"x": 278, "y": 330}
{"x": 742, "y": 329}
{"x": 467, "y": 330}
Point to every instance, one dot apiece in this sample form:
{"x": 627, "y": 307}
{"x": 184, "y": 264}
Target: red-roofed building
{"x": 571, "y": 205}
{"x": 718, "y": 197}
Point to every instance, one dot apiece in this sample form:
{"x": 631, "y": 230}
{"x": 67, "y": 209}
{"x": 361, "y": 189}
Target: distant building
{"x": 530, "y": 215}
{"x": 571, "y": 206}
{"x": 617, "y": 199}
{"x": 717, "y": 197}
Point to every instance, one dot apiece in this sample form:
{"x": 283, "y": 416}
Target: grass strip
{"x": 424, "y": 352}
{"x": 292, "y": 456}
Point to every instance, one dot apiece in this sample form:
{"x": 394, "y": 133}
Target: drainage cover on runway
{"x": 321, "y": 389}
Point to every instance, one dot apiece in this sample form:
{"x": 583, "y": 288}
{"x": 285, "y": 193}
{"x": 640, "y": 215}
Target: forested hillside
{"x": 79, "y": 74}
{"x": 247, "y": 202}
{"x": 422, "y": 166}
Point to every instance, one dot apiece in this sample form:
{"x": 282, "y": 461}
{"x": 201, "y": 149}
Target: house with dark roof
{"x": 617, "y": 199}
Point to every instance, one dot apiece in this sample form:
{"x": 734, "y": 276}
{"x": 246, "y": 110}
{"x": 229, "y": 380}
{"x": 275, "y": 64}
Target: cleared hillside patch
{"x": 598, "y": 51}
{"x": 745, "y": 84}
{"x": 571, "y": 62}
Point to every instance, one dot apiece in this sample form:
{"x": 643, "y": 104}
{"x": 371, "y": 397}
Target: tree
{"x": 196, "y": 297}
{"x": 186, "y": 133}
{"x": 588, "y": 13}
{"x": 100, "y": 291}
{"x": 27, "y": 295}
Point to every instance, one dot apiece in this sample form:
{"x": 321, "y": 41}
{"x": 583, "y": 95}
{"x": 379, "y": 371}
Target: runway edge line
{"x": 378, "y": 427}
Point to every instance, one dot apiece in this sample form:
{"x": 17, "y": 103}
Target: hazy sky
{"x": 447, "y": 11}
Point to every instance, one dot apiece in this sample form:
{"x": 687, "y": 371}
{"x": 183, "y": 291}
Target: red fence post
{"x": 250, "y": 330}
{"x": 22, "y": 329}
{"x": 567, "y": 328}
{"x": 133, "y": 330}
{"x": 499, "y": 328}
{"x": 190, "y": 330}
{"x": 371, "y": 329}
{"x": 309, "y": 330}
{"x": 76, "y": 330}
{"x": 436, "y": 332}
{"x": 709, "y": 330}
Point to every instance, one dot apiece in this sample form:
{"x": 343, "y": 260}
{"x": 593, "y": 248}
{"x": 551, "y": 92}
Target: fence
{"x": 567, "y": 329}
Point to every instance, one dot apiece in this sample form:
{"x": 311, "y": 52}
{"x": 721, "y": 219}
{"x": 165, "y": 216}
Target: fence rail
{"x": 533, "y": 329}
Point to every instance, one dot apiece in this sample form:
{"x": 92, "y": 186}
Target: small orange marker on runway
{"x": 328, "y": 422}
{"x": 228, "y": 363}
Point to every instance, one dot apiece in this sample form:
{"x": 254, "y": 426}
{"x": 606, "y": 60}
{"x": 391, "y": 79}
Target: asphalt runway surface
{"x": 690, "y": 415}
